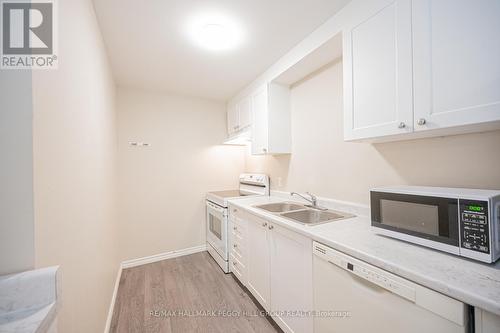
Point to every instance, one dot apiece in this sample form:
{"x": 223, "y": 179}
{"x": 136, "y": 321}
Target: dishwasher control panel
{"x": 382, "y": 280}
{"x": 375, "y": 275}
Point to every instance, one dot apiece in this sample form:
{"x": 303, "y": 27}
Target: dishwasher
{"x": 351, "y": 296}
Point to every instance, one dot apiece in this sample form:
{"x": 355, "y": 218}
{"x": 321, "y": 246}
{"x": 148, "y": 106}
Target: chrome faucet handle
{"x": 313, "y": 197}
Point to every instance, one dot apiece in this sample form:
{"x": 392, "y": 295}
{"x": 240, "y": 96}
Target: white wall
{"x": 16, "y": 172}
{"x": 75, "y": 149}
{"x": 322, "y": 163}
{"x": 162, "y": 187}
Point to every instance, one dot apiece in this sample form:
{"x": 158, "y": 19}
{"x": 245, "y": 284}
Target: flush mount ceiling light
{"x": 215, "y": 32}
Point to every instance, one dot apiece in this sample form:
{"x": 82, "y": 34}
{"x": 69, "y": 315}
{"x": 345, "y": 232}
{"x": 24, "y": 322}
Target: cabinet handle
{"x": 234, "y": 228}
{"x": 235, "y": 245}
{"x": 271, "y": 227}
{"x": 421, "y": 121}
{"x": 264, "y": 224}
{"x": 235, "y": 263}
{"x": 401, "y": 125}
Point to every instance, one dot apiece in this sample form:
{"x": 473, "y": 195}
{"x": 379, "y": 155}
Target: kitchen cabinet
{"x": 378, "y": 70}
{"x": 239, "y": 116}
{"x": 258, "y": 260}
{"x": 245, "y": 113}
{"x": 271, "y": 131}
{"x": 421, "y": 68}
{"x": 456, "y": 63}
{"x": 233, "y": 119}
{"x": 291, "y": 278}
{"x": 486, "y": 322}
{"x": 237, "y": 243}
{"x": 280, "y": 273}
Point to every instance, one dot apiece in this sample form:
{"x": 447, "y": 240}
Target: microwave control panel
{"x": 474, "y": 225}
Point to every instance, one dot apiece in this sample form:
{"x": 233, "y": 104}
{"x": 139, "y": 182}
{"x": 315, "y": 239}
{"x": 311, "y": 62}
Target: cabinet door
{"x": 260, "y": 124}
{"x": 291, "y": 278}
{"x": 486, "y": 322}
{"x": 233, "y": 119}
{"x": 378, "y": 70}
{"x": 456, "y": 62}
{"x": 245, "y": 112}
{"x": 258, "y": 260}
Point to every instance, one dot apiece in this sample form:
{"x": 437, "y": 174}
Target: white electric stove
{"x": 250, "y": 184}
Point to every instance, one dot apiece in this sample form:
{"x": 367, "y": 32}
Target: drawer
{"x": 237, "y": 245}
{"x": 236, "y": 213}
{"x": 238, "y": 269}
{"x": 238, "y": 237}
{"x": 238, "y": 228}
{"x": 238, "y": 251}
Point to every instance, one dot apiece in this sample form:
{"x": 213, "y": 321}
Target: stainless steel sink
{"x": 313, "y": 216}
{"x": 281, "y": 207}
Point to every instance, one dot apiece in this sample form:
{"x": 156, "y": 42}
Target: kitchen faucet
{"x": 313, "y": 200}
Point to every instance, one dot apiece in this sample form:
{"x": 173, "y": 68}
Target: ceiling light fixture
{"x": 215, "y": 32}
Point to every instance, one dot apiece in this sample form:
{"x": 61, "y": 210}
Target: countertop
{"x": 29, "y": 300}
{"x": 469, "y": 281}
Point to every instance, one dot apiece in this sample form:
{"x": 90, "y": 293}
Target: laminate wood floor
{"x": 184, "y": 294}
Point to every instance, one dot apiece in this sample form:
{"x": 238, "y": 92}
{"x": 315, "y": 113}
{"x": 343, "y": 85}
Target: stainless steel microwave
{"x": 465, "y": 222}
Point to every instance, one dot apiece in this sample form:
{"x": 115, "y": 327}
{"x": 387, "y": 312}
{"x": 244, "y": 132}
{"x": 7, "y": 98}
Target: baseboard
{"x": 163, "y": 256}
{"x": 143, "y": 261}
{"x": 113, "y": 300}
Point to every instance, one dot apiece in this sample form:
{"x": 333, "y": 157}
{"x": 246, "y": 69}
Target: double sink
{"x": 306, "y": 215}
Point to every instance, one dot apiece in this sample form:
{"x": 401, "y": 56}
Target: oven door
{"x": 217, "y": 228}
{"x": 425, "y": 220}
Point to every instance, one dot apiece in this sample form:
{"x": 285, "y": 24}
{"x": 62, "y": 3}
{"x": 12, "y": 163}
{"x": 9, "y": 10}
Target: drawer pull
{"x": 264, "y": 224}
{"x": 235, "y": 263}
{"x": 234, "y": 228}
{"x": 235, "y": 245}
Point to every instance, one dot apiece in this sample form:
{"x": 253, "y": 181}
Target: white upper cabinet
{"x": 245, "y": 112}
{"x": 239, "y": 116}
{"x": 260, "y": 134}
{"x": 421, "y": 68}
{"x": 378, "y": 70}
{"x": 271, "y": 132}
{"x": 233, "y": 119}
{"x": 456, "y": 48}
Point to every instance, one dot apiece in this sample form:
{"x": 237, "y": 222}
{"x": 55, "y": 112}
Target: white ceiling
{"x": 149, "y": 47}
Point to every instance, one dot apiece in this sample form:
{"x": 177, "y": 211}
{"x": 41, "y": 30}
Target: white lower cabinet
{"x": 237, "y": 244}
{"x": 279, "y": 267}
{"x": 258, "y": 281}
{"x": 486, "y": 322}
{"x": 291, "y": 280}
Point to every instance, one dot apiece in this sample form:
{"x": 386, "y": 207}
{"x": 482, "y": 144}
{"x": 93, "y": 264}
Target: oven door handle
{"x": 215, "y": 207}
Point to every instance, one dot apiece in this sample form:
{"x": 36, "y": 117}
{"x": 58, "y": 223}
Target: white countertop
{"x": 29, "y": 300}
{"x": 471, "y": 282}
